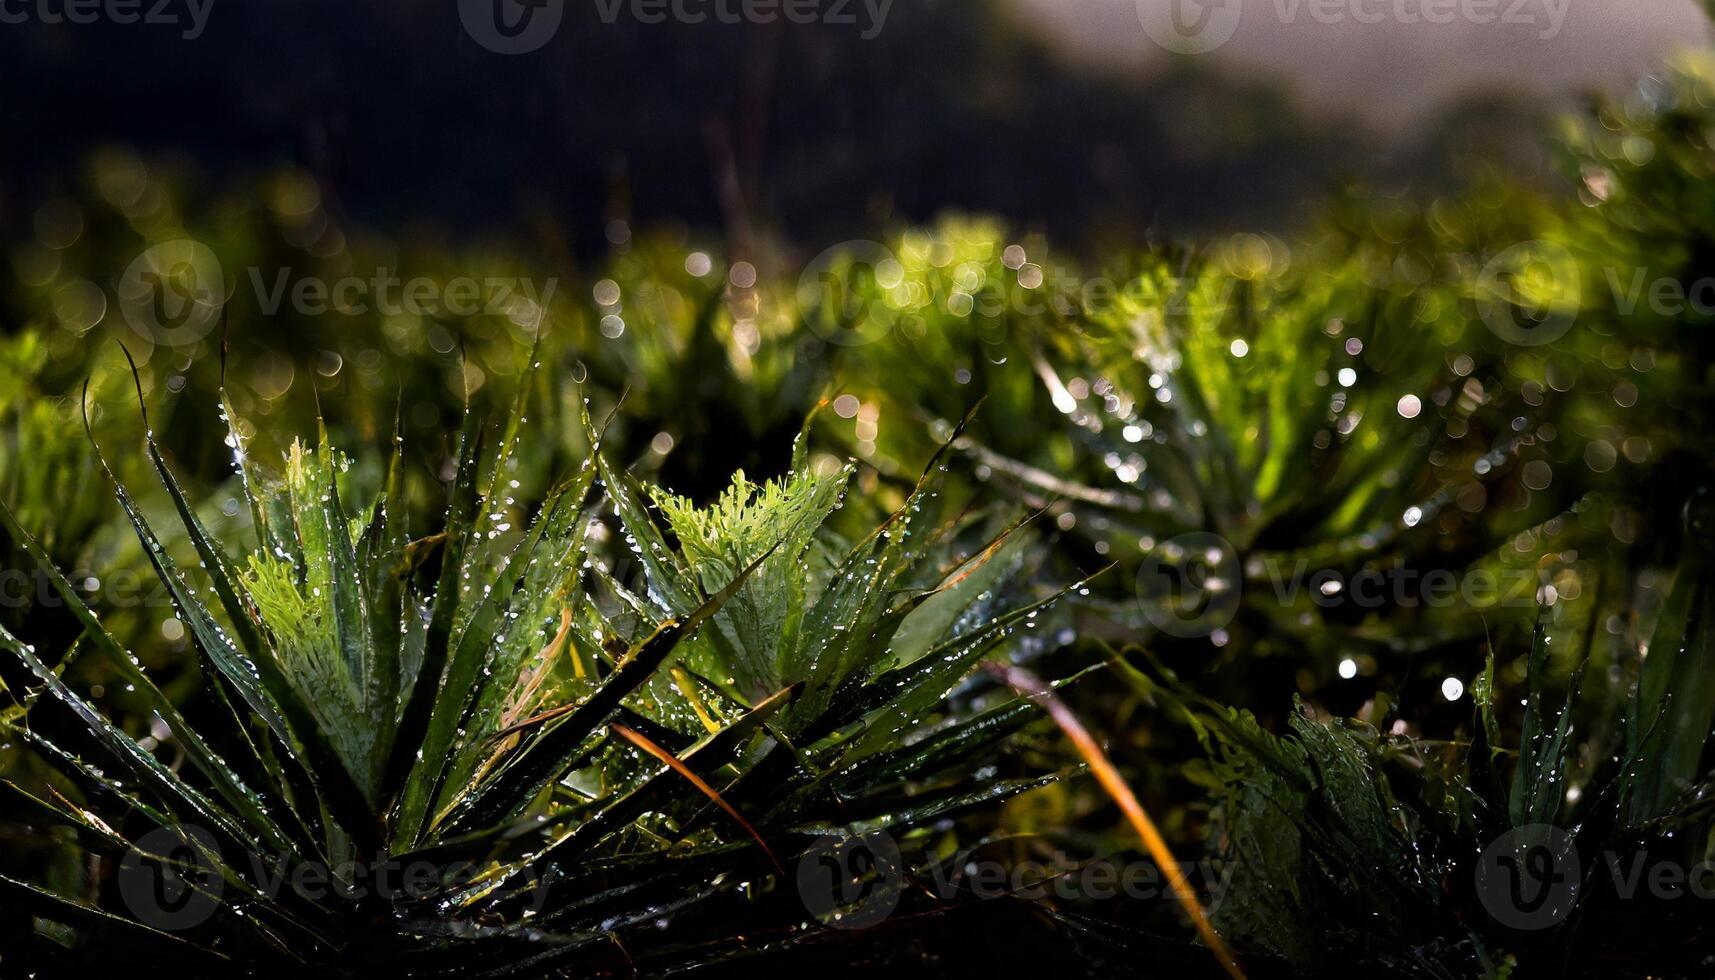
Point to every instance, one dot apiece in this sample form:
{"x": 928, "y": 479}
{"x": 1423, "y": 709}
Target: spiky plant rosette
{"x": 499, "y": 748}
{"x": 1343, "y": 412}
{"x": 1534, "y": 844}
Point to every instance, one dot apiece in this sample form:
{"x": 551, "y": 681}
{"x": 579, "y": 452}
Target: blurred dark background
{"x": 813, "y": 132}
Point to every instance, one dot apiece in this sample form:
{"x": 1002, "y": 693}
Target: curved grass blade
{"x": 1115, "y": 785}
{"x": 465, "y": 680}
{"x": 1676, "y": 687}
{"x": 672, "y": 762}
{"x": 37, "y": 901}
{"x": 707, "y": 754}
{"x": 165, "y": 783}
{"x": 538, "y": 762}
{"x": 420, "y": 702}
{"x": 900, "y": 697}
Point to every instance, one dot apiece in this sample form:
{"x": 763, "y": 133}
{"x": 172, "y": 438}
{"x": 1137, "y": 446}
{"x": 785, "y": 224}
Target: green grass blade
{"x": 541, "y": 760}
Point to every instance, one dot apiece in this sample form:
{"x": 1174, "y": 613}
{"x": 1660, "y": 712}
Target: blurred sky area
{"x": 1394, "y": 62}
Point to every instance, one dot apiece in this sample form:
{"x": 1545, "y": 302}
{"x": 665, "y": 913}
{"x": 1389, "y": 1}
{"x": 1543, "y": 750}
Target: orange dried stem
{"x": 643, "y": 742}
{"x": 1115, "y": 785}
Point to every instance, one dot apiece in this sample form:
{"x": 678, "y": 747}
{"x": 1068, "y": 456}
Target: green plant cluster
{"x": 575, "y": 736}
{"x": 1474, "y": 384}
